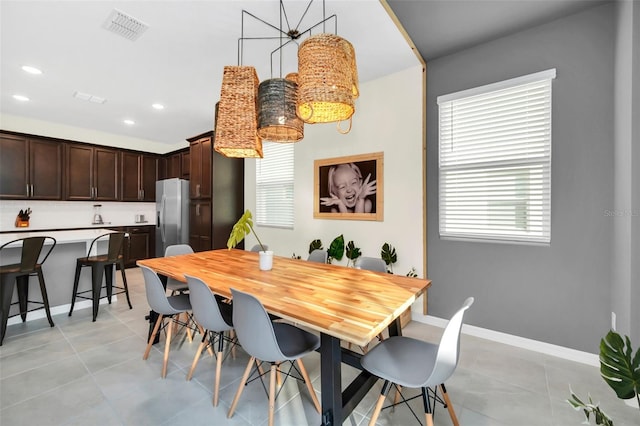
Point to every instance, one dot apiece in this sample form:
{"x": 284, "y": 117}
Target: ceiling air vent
{"x": 125, "y": 25}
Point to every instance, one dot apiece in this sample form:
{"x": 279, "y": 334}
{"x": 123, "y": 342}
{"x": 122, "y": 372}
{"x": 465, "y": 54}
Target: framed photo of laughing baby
{"x": 349, "y": 187}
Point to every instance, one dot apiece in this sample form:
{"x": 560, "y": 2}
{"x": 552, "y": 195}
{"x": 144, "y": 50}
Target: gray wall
{"x": 560, "y": 293}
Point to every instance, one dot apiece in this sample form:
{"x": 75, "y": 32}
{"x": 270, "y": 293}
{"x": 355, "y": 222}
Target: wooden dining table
{"x": 342, "y": 304}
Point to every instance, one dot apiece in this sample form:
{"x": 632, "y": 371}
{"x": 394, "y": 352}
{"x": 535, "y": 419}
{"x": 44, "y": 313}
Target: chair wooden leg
{"x": 232, "y": 335}
{"x": 383, "y": 395}
{"x": 278, "y": 375}
{"x": 197, "y": 357}
{"x": 272, "y": 392}
{"x": 396, "y": 398}
{"x": 243, "y": 382}
{"x": 153, "y": 337}
{"x": 447, "y": 400}
{"x": 312, "y": 391}
{"x": 167, "y": 346}
{"x": 428, "y": 412}
{"x": 216, "y": 384}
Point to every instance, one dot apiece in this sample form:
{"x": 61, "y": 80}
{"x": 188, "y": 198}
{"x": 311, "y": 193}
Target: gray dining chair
{"x": 257, "y": 248}
{"x": 272, "y": 342}
{"x": 375, "y": 264}
{"x": 167, "y": 307}
{"x": 215, "y": 317}
{"x": 174, "y": 286}
{"x": 372, "y": 264}
{"x": 406, "y": 362}
{"x": 318, "y": 255}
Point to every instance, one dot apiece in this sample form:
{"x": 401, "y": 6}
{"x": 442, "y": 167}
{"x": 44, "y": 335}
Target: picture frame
{"x": 346, "y": 176}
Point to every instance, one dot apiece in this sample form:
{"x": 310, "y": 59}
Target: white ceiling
{"x": 179, "y": 60}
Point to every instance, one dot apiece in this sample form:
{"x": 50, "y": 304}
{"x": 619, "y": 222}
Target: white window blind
{"x": 274, "y": 185}
{"x": 495, "y": 161}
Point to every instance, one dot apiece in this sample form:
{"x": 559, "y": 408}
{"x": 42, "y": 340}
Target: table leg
{"x": 331, "y": 380}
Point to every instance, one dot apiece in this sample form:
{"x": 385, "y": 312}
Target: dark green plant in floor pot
{"x": 620, "y": 368}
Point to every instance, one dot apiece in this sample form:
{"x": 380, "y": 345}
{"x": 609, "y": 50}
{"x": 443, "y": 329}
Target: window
{"x": 274, "y": 185}
{"x": 495, "y": 161}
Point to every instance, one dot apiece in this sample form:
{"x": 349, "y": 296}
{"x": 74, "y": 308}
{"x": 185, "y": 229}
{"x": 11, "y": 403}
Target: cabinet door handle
{"x": 28, "y": 188}
{"x": 142, "y": 194}
{"x": 197, "y": 209}
{"x": 198, "y": 189}
{"x": 32, "y": 190}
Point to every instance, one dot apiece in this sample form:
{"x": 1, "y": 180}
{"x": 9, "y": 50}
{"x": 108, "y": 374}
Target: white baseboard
{"x": 60, "y": 309}
{"x": 517, "y": 341}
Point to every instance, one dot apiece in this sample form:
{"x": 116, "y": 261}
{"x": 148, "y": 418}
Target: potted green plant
{"x": 389, "y": 255}
{"x": 336, "y": 249}
{"x": 620, "y": 368}
{"x": 242, "y": 227}
{"x": 352, "y": 252}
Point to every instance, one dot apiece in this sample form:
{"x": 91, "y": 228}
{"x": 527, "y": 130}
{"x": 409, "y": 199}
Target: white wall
{"x": 388, "y": 119}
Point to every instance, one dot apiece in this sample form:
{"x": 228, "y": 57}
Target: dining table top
{"x": 350, "y": 304}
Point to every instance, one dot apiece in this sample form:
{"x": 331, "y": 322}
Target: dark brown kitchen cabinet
{"x": 30, "y": 168}
{"x": 218, "y": 201}
{"x": 200, "y": 225}
{"x": 200, "y": 158}
{"x": 92, "y": 173}
{"x": 140, "y": 245}
{"x": 139, "y": 175}
{"x": 185, "y": 170}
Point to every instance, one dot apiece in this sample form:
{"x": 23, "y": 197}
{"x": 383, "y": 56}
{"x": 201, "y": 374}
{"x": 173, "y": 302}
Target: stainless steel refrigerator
{"x": 172, "y": 213}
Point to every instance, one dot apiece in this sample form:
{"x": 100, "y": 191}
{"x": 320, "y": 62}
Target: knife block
{"x": 21, "y": 223}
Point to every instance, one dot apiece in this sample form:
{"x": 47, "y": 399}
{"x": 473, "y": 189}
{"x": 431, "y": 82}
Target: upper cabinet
{"x": 174, "y": 165}
{"x": 139, "y": 175}
{"x": 200, "y": 157}
{"x": 30, "y": 168}
{"x": 92, "y": 173}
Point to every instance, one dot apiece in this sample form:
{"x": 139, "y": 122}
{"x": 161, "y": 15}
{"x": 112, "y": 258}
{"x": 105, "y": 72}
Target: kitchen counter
{"x": 61, "y": 236}
{"x": 59, "y": 268}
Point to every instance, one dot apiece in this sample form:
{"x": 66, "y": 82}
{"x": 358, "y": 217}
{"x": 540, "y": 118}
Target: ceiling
{"x": 178, "y": 60}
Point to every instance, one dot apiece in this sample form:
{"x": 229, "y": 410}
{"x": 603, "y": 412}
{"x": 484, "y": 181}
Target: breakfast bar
{"x": 59, "y": 268}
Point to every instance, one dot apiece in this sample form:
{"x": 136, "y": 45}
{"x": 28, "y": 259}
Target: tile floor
{"x": 85, "y": 373}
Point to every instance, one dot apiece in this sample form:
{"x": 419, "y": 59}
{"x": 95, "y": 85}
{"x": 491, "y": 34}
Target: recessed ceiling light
{"x": 158, "y": 106}
{"x": 129, "y": 122}
{"x": 20, "y": 98}
{"x": 31, "y": 70}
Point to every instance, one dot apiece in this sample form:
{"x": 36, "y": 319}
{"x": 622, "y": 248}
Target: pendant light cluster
{"x": 322, "y": 91}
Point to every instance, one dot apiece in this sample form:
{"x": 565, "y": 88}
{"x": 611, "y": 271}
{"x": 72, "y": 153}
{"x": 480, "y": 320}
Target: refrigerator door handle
{"x": 161, "y": 222}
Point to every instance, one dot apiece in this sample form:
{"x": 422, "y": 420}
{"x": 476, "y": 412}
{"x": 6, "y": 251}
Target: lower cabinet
{"x": 200, "y": 225}
{"x": 141, "y": 244}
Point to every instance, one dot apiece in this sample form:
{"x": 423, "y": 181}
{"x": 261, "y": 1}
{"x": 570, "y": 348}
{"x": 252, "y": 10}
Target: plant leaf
{"x": 352, "y": 251}
{"x": 315, "y": 245}
{"x": 240, "y": 229}
{"x": 388, "y": 254}
{"x": 617, "y": 368}
{"x": 336, "y": 249}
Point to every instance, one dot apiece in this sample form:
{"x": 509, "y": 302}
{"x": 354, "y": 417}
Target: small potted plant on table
{"x": 244, "y": 226}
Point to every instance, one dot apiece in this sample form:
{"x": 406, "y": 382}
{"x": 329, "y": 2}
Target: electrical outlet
{"x": 613, "y": 321}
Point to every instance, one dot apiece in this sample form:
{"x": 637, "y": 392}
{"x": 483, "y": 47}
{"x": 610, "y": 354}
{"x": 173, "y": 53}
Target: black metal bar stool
{"x": 102, "y": 265}
{"x": 19, "y": 273}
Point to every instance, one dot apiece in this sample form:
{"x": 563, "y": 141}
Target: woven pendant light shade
{"x": 277, "y": 119}
{"x": 351, "y": 53}
{"x": 236, "y": 126}
{"x": 326, "y": 82}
